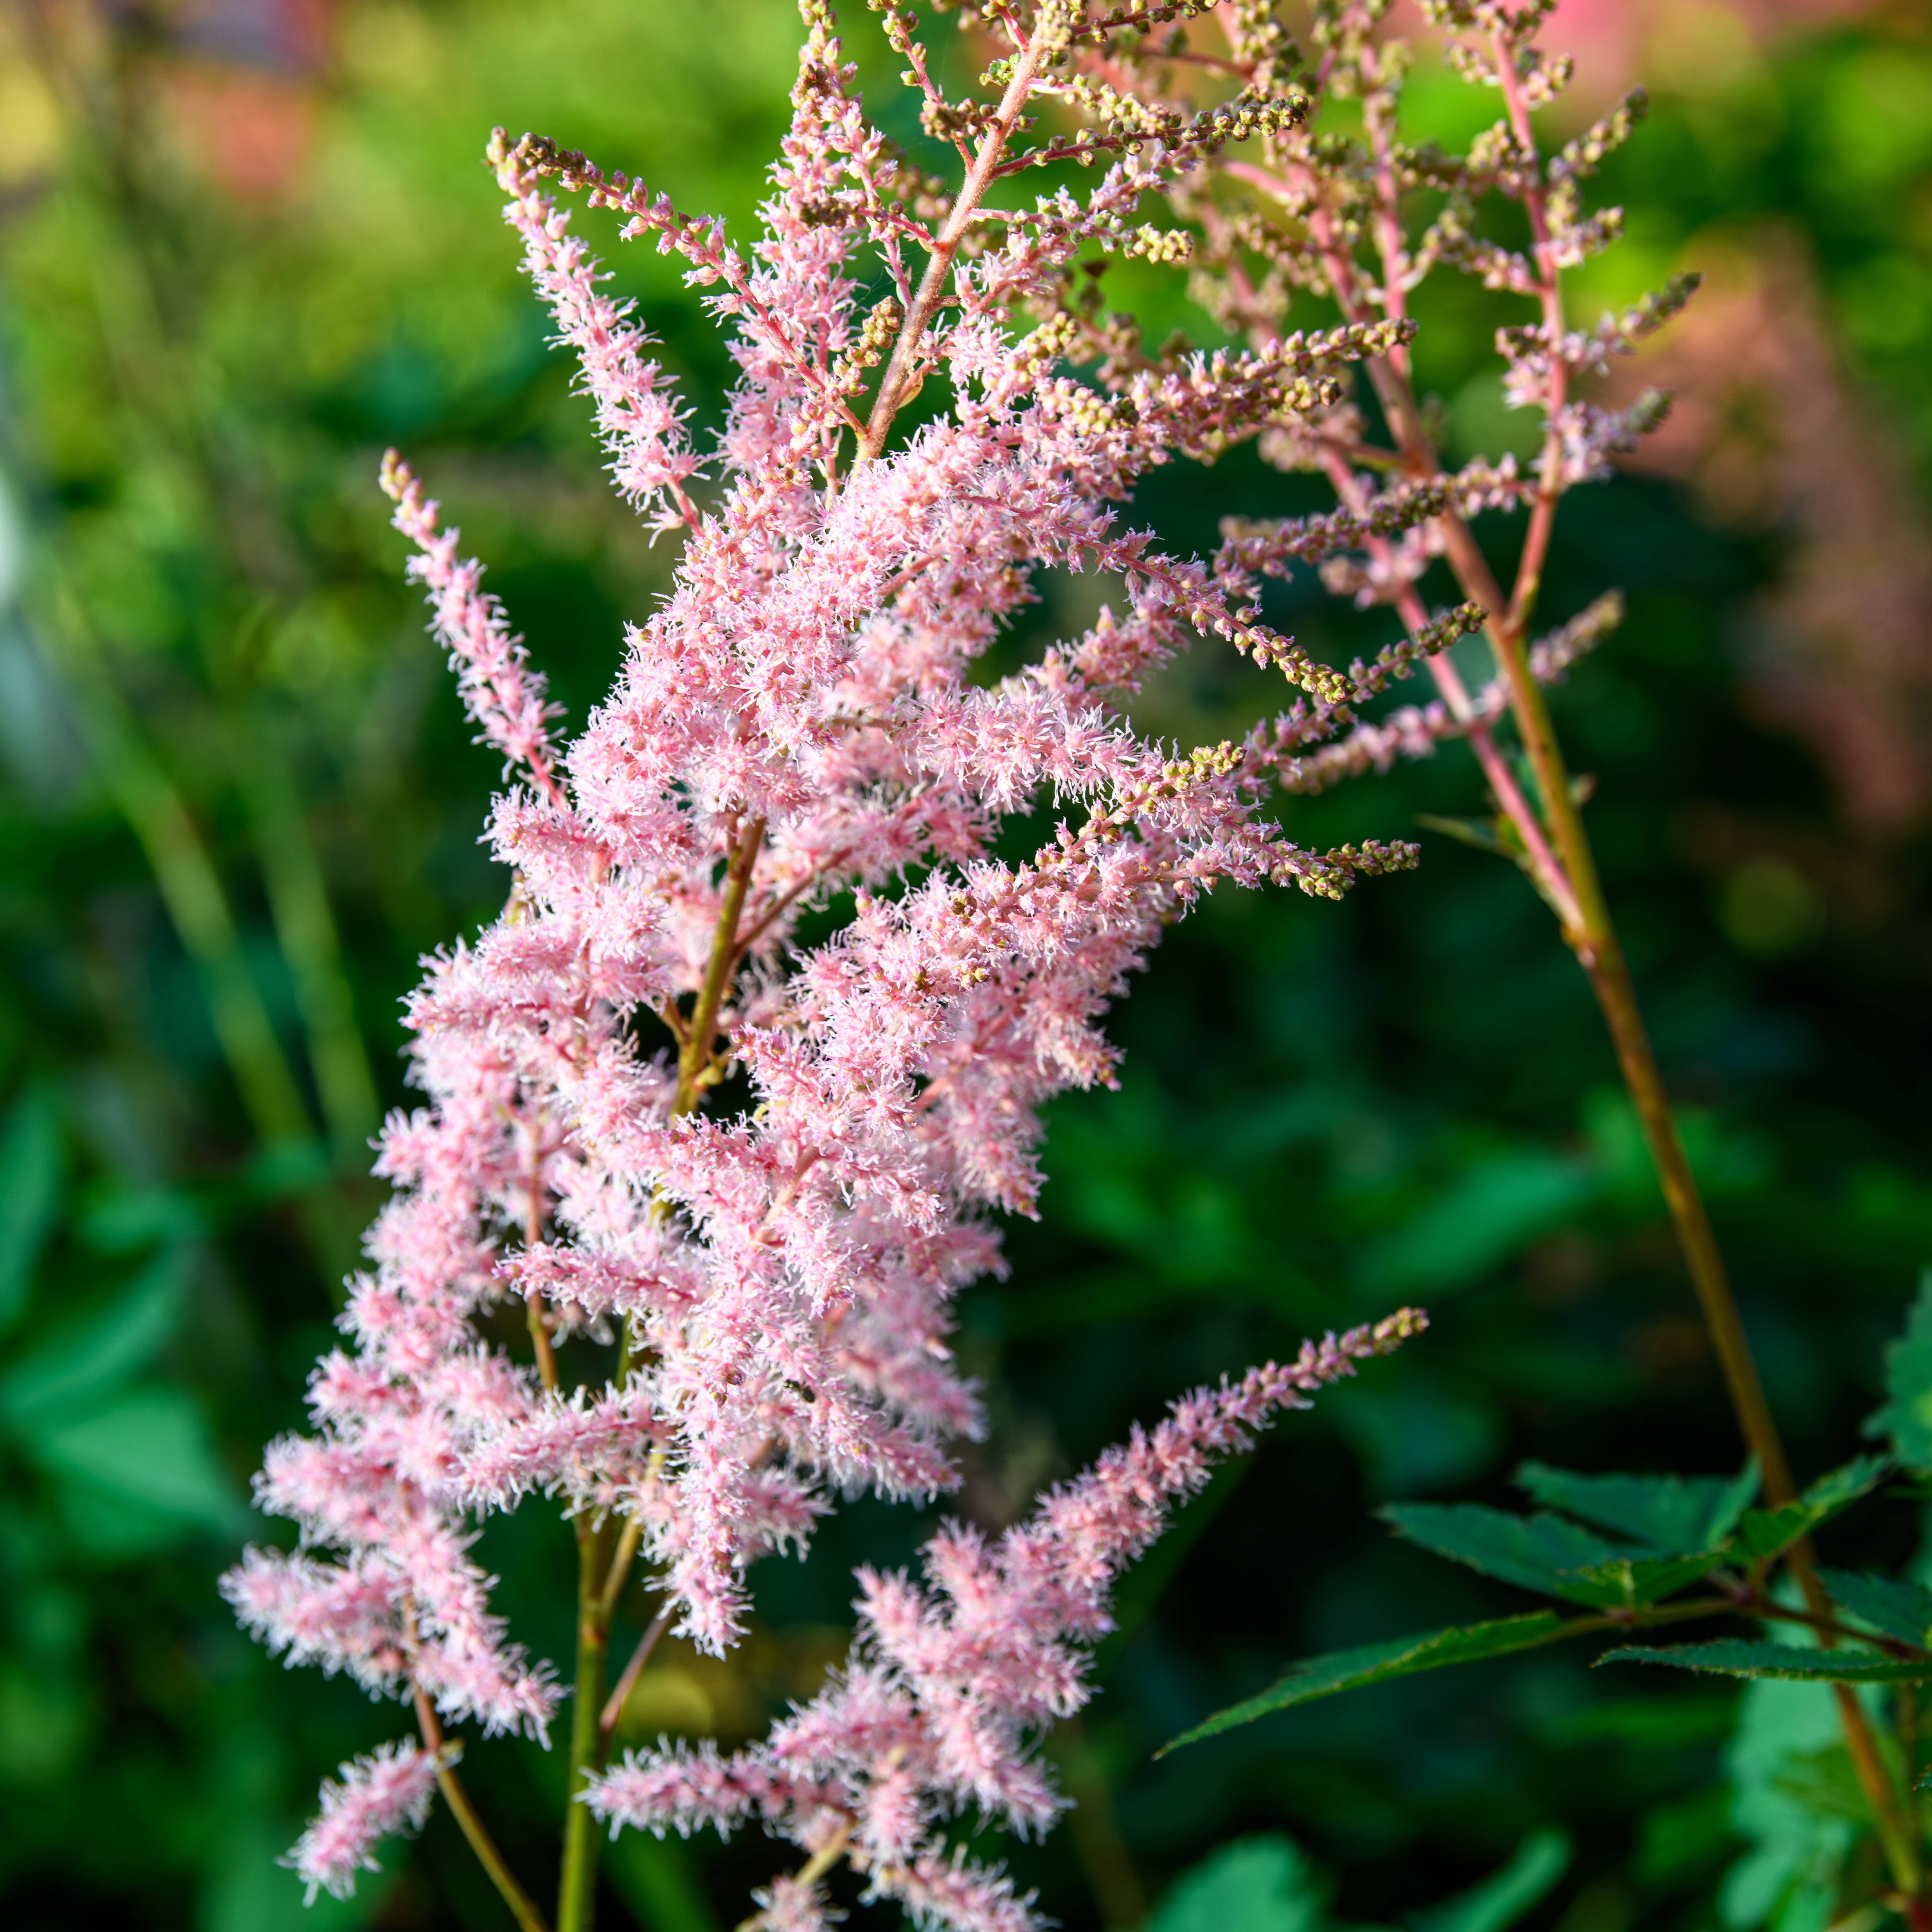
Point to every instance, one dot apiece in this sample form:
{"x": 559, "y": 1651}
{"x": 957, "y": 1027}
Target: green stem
{"x": 1591, "y": 934}
{"x": 577, "y": 1890}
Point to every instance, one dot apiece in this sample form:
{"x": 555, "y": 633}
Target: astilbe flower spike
{"x": 951, "y": 1680}
{"x": 733, "y": 1316}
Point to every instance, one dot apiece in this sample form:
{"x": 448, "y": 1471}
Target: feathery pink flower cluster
{"x": 951, "y": 1681}
{"x": 386, "y": 1793}
{"x": 733, "y": 1315}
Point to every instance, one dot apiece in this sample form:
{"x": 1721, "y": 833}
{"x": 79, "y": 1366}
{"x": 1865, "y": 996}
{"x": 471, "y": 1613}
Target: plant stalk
{"x": 522, "y": 1908}
{"x": 577, "y": 1889}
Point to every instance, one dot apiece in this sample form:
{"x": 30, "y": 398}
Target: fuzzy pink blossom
{"x": 951, "y": 1679}
{"x": 736, "y": 1315}
{"x": 374, "y": 1797}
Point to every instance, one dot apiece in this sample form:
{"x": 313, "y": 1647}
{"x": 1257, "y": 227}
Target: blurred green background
{"x": 244, "y": 244}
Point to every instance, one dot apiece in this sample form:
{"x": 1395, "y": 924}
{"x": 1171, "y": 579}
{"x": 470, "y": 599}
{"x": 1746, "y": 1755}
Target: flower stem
{"x": 522, "y": 1908}
{"x": 620, "y": 1692}
{"x": 577, "y": 1889}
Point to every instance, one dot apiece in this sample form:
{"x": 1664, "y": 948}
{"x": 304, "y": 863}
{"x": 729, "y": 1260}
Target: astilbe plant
{"x": 733, "y": 1315}
{"x": 772, "y": 857}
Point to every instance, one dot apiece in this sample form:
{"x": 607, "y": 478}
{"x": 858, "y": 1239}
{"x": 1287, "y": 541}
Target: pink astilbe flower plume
{"x": 734, "y": 1316}
{"x": 951, "y": 1680}
{"x": 376, "y": 1798}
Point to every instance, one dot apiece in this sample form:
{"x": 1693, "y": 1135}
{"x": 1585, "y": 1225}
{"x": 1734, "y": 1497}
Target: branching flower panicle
{"x": 735, "y": 1312}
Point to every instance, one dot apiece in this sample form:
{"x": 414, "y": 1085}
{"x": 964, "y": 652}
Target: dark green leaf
{"x": 1382, "y": 1662}
{"x": 1675, "y": 1515}
{"x": 1889, "y": 1604}
{"x": 1502, "y": 1899}
{"x": 1675, "y": 1723}
{"x": 148, "y": 1451}
{"x": 1748, "y": 1656}
{"x": 1906, "y": 1417}
{"x": 1497, "y": 1206}
{"x": 1684, "y": 1839}
{"x": 1825, "y": 1783}
{"x": 82, "y": 1359}
{"x": 656, "y": 1880}
{"x": 30, "y": 1177}
{"x": 1764, "y": 1534}
{"x": 1541, "y": 1552}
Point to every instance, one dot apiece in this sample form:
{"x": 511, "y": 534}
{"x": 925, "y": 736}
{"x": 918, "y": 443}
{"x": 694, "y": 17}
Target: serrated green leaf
{"x": 1907, "y": 1417}
{"x": 79, "y": 1361}
{"x": 1544, "y": 1553}
{"x": 1763, "y": 1533}
{"x": 1673, "y": 1516}
{"x": 1502, "y": 1899}
{"x": 1892, "y": 1604}
{"x": 1748, "y": 1656}
{"x": 30, "y": 1178}
{"x": 1383, "y": 1663}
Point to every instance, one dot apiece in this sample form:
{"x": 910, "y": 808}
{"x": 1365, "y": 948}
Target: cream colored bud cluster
{"x": 1091, "y": 412}
{"x": 1121, "y": 116}
{"x": 1331, "y": 876}
{"x": 1143, "y": 19}
{"x": 1164, "y": 246}
{"x": 1497, "y": 158}
{"x": 1573, "y": 241}
{"x": 1041, "y": 348}
{"x": 1516, "y": 25}
{"x": 1268, "y": 545}
{"x": 1399, "y": 660}
{"x": 1588, "y": 152}
{"x": 876, "y": 335}
{"x": 955, "y": 120}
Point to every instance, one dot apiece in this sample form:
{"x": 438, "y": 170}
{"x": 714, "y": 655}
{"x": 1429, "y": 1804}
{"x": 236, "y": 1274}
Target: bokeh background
{"x": 244, "y": 244}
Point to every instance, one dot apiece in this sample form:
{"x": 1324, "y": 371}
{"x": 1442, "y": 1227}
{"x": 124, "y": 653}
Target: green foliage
{"x": 1893, "y": 1605}
{"x": 1788, "y": 1878}
{"x": 1671, "y": 1516}
{"x": 1382, "y": 1663}
{"x": 1907, "y": 1417}
{"x": 1700, "y": 1525}
{"x": 1265, "y": 1884}
{"x": 30, "y": 1177}
{"x": 1736, "y": 1656}
{"x": 1763, "y": 1534}
{"x": 1544, "y": 1553}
